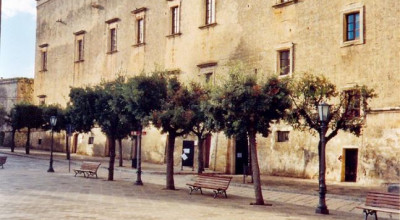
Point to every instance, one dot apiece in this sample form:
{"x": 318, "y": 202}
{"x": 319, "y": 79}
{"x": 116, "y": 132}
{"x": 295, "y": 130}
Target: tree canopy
{"x": 244, "y": 106}
{"x": 309, "y": 90}
{"x": 174, "y": 119}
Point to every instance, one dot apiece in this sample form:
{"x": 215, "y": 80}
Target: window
{"x": 91, "y": 140}
{"x": 79, "y": 45}
{"x": 210, "y": 12}
{"x": 112, "y": 35}
{"x": 353, "y": 29}
{"x": 113, "y": 40}
{"x": 284, "y": 62}
{"x": 175, "y": 20}
{"x": 284, "y": 59}
{"x": 80, "y": 50}
{"x": 353, "y": 26}
{"x": 39, "y": 141}
{"x": 282, "y": 136}
{"x": 44, "y": 60}
{"x": 353, "y": 100}
{"x": 140, "y": 31}
{"x": 139, "y": 14}
{"x": 207, "y": 71}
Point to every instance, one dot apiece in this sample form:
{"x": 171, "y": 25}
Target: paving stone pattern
{"x": 28, "y": 191}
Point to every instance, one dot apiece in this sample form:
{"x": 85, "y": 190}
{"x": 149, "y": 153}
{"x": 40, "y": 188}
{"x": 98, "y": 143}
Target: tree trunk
{"x": 170, "y": 161}
{"x": 111, "y": 143}
{"x": 120, "y": 152}
{"x": 28, "y": 140}
{"x": 12, "y": 140}
{"x": 67, "y": 145}
{"x": 255, "y": 168}
{"x": 200, "y": 156}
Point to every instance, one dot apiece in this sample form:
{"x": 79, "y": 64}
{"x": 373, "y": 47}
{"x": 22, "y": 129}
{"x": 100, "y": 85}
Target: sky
{"x": 18, "y": 27}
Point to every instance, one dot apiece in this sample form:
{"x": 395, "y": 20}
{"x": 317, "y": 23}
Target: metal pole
{"x": 51, "y": 170}
{"x": 322, "y": 208}
{"x": 139, "y": 159}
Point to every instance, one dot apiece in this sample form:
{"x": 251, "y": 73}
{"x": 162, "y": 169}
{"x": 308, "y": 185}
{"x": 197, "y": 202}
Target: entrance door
{"x": 188, "y": 149}
{"x": 241, "y": 156}
{"x": 351, "y": 160}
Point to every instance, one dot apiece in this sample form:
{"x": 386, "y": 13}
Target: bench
{"x": 3, "y": 160}
{"x": 382, "y": 202}
{"x": 88, "y": 169}
{"x": 218, "y": 184}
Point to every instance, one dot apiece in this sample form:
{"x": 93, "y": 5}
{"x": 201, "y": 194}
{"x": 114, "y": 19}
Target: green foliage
{"x": 145, "y": 94}
{"x": 54, "y": 110}
{"x": 81, "y": 109}
{"x": 202, "y": 122}
{"x": 25, "y": 115}
{"x": 110, "y": 109}
{"x": 310, "y": 90}
{"x": 174, "y": 115}
{"x": 242, "y": 103}
{"x": 3, "y": 116}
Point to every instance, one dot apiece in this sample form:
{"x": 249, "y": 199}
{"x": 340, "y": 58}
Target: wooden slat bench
{"x": 88, "y": 169}
{"x": 218, "y": 184}
{"x": 382, "y": 202}
{"x": 3, "y": 160}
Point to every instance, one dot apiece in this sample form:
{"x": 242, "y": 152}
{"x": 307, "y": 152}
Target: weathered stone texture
{"x": 246, "y": 32}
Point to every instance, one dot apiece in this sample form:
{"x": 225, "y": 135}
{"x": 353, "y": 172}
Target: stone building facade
{"x": 13, "y": 91}
{"x": 82, "y": 42}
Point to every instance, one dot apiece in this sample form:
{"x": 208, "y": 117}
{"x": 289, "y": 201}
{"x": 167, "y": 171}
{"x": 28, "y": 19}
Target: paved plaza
{"x": 28, "y": 191}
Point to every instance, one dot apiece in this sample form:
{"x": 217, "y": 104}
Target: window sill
{"x": 139, "y": 45}
{"x": 174, "y": 35}
{"x": 351, "y": 43}
{"x": 112, "y": 52}
{"x": 285, "y": 76}
{"x": 42, "y": 71}
{"x": 208, "y": 26}
{"x": 79, "y": 61}
{"x": 283, "y": 4}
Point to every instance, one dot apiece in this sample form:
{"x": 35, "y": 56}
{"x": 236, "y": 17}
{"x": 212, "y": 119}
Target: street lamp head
{"x": 323, "y": 111}
{"x": 53, "y": 121}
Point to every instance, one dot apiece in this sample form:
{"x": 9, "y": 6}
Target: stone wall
{"x": 249, "y": 33}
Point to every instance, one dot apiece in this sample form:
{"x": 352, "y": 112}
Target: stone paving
{"x": 27, "y": 191}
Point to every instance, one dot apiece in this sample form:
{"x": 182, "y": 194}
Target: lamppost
{"x": 323, "y": 112}
{"x": 139, "y": 157}
{"x": 53, "y": 121}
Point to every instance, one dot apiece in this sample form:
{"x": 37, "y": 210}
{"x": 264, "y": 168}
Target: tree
{"x": 25, "y": 115}
{"x": 173, "y": 119}
{"x": 244, "y": 106}
{"x": 144, "y": 94}
{"x": 308, "y": 91}
{"x": 202, "y": 123}
{"x": 111, "y": 115}
{"x": 104, "y": 106}
{"x": 3, "y": 116}
{"x": 62, "y": 120}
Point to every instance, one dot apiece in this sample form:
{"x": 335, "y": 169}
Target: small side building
{"x": 13, "y": 91}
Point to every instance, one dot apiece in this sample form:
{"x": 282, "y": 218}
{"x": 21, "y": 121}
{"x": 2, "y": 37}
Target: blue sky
{"x": 17, "y": 54}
